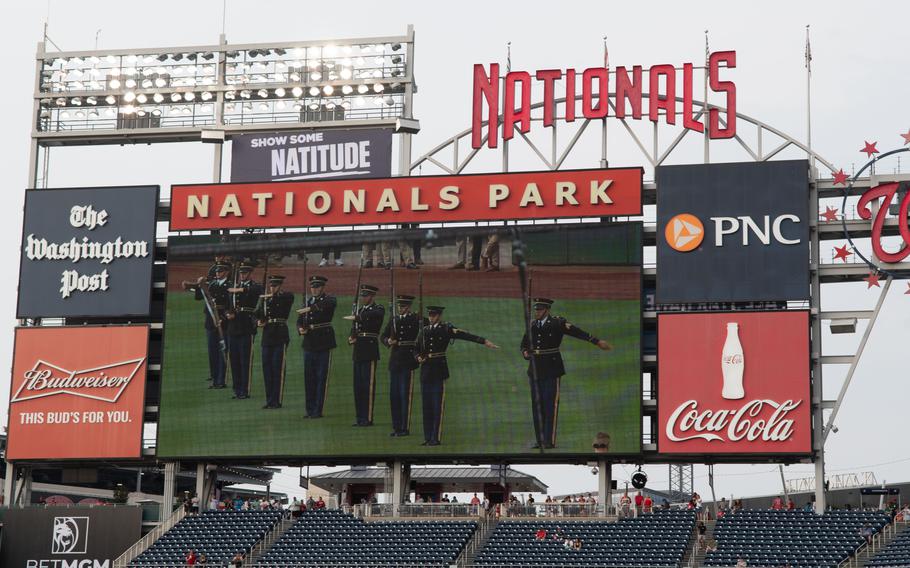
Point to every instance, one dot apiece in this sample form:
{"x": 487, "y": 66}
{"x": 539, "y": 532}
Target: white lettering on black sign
{"x": 75, "y": 250}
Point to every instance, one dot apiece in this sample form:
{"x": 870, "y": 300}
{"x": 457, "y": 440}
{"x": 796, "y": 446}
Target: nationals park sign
{"x": 421, "y": 199}
{"x": 513, "y": 93}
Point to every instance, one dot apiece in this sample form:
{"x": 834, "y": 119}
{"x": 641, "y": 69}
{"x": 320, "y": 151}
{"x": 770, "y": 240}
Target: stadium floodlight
{"x": 137, "y": 82}
{"x": 845, "y": 325}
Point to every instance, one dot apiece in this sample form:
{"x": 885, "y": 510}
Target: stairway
{"x": 694, "y": 555}
{"x": 882, "y": 539}
{"x": 486, "y": 526}
{"x": 261, "y": 547}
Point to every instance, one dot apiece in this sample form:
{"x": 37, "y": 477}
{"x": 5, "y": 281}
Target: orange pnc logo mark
{"x": 684, "y": 232}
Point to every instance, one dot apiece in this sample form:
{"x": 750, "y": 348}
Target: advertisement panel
{"x": 87, "y": 252}
{"x": 77, "y": 392}
{"x": 733, "y": 232}
{"x": 422, "y": 199}
{"x": 70, "y": 537}
{"x": 266, "y": 379}
{"x": 734, "y": 383}
{"x": 311, "y": 154}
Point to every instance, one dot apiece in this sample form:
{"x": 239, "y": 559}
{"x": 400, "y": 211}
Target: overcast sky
{"x": 860, "y": 92}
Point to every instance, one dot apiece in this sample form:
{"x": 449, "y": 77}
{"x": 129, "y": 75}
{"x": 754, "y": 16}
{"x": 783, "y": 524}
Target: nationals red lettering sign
{"x": 886, "y": 192}
{"x": 734, "y": 383}
{"x": 594, "y": 82}
{"x": 78, "y": 392}
{"x": 422, "y": 199}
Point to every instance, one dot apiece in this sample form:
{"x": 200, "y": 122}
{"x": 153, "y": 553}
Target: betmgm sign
{"x": 87, "y": 252}
{"x": 68, "y": 537}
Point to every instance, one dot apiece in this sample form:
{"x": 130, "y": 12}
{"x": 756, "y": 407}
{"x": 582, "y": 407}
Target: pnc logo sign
{"x": 684, "y": 232}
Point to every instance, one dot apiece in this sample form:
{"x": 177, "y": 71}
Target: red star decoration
{"x": 870, "y": 149}
{"x": 840, "y": 177}
{"x": 830, "y": 214}
{"x": 908, "y": 289}
{"x": 872, "y": 280}
{"x": 906, "y": 138}
{"x": 841, "y": 253}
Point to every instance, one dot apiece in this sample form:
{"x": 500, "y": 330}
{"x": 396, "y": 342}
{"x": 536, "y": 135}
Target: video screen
{"x": 404, "y": 343}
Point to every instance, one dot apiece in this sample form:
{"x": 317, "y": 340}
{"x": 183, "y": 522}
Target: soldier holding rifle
{"x": 314, "y": 323}
{"x": 432, "y": 342}
{"x": 400, "y": 336}
{"x": 272, "y": 313}
{"x": 367, "y": 318}
{"x": 213, "y": 292}
{"x": 547, "y": 332}
{"x": 241, "y": 328}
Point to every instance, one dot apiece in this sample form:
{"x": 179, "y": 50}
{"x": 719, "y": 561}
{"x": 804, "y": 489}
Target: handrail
{"x": 149, "y": 539}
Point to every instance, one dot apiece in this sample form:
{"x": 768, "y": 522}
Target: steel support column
{"x": 170, "y": 484}
{"x": 604, "y": 486}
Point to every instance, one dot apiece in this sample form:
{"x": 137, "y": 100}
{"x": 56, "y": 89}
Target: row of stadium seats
{"x": 798, "y": 538}
{"x": 333, "y": 537}
{"x": 217, "y": 534}
{"x": 656, "y": 539}
{"x": 897, "y": 553}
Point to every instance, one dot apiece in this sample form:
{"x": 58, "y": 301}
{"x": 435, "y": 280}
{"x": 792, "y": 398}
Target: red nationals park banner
{"x": 77, "y": 392}
{"x": 420, "y": 199}
{"x": 734, "y": 383}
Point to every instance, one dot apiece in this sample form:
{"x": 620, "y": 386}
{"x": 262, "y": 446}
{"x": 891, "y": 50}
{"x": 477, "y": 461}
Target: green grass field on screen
{"x": 487, "y": 405}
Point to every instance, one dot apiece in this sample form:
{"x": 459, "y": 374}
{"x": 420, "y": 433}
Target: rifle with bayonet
{"x": 356, "y": 307}
{"x": 306, "y": 296}
{"x": 260, "y": 304}
{"x": 392, "y": 311}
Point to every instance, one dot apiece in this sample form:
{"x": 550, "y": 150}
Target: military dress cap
{"x": 276, "y": 279}
{"x": 404, "y": 299}
{"x": 318, "y": 281}
{"x": 542, "y": 302}
{"x": 245, "y": 267}
{"x": 367, "y": 290}
{"x": 222, "y": 266}
{"x": 435, "y": 309}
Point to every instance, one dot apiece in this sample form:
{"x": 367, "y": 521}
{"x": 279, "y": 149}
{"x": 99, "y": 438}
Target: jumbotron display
{"x": 412, "y": 343}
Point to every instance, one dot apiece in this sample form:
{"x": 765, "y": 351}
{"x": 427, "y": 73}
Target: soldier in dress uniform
{"x": 365, "y": 340}
{"x": 272, "y": 314}
{"x": 314, "y": 323}
{"x": 400, "y": 335}
{"x": 432, "y": 341}
{"x": 241, "y": 328}
{"x": 217, "y": 286}
{"x": 547, "y": 332}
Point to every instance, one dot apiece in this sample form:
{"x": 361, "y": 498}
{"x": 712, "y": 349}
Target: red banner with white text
{"x": 421, "y": 199}
{"x": 78, "y": 392}
{"x": 734, "y": 383}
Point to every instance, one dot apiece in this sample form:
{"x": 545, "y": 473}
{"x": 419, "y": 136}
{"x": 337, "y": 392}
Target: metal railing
{"x": 149, "y": 539}
{"x": 536, "y": 510}
{"x": 868, "y": 550}
{"x": 452, "y": 510}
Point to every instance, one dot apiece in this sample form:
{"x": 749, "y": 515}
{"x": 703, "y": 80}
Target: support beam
{"x": 200, "y": 485}
{"x": 170, "y": 483}
{"x": 400, "y": 480}
{"x": 604, "y": 485}
{"x": 9, "y": 484}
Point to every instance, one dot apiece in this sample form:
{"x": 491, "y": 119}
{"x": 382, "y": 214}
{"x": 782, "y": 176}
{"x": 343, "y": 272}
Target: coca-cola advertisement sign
{"x": 734, "y": 383}
{"x": 78, "y": 392}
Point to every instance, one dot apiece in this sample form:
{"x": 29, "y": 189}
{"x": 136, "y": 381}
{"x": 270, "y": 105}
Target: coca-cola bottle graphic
{"x": 733, "y": 364}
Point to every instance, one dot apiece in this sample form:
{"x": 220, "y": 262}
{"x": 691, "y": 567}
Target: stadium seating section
{"x": 324, "y": 537}
{"x": 800, "y": 538}
{"x": 897, "y": 553}
{"x": 217, "y": 534}
{"x": 657, "y": 539}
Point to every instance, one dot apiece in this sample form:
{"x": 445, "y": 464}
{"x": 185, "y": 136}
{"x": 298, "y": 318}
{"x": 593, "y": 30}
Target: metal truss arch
{"x": 453, "y": 164}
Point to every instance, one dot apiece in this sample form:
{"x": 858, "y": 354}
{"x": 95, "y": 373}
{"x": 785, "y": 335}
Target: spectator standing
{"x": 791, "y": 506}
{"x": 320, "y": 504}
{"x": 190, "y": 557}
{"x": 237, "y": 561}
{"x": 777, "y": 504}
{"x": 866, "y": 532}
{"x": 625, "y": 503}
{"x": 648, "y": 504}
{"x": 639, "y": 502}
{"x": 702, "y": 529}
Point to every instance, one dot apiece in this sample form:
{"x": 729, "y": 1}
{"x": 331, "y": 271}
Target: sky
{"x": 860, "y": 89}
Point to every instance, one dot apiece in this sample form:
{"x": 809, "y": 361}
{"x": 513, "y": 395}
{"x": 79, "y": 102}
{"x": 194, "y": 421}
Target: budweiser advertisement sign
{"x": 77, "y": 392}
{"x": 734, "y": 383}
{"x": 481, "y": 197}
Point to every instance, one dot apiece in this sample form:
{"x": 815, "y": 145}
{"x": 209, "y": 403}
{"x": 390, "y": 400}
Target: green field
{"x": 487, "y": 410}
